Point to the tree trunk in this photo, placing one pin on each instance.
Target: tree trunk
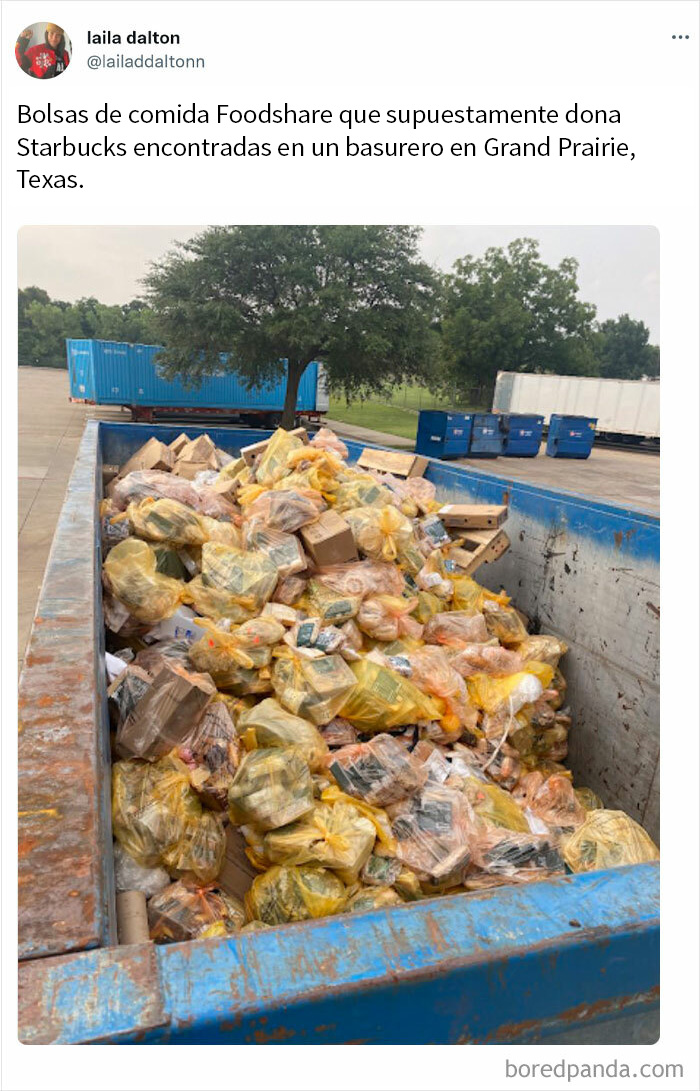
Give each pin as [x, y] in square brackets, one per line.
[295, 370]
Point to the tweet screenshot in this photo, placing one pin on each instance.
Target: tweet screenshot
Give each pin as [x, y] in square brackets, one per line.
[340, 341]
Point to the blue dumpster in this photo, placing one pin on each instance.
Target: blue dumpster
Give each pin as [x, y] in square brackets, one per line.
[570, 437]
[570, 959]
[443, 435]
[487, 436]
[522, 434]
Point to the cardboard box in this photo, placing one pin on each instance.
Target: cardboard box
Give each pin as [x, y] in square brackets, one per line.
[167, 714]
[108, 474]
[176, 446]
[154, 455]
[200, 449]
[474, 516]
[237, 874]
[190, 470]
[329, 540]
[227, 487]
[479, 547]
[398, 463]
[251, 452]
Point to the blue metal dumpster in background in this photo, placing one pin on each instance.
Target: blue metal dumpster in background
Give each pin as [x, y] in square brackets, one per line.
[522, 434]
[443, 435]
[570, 437]
[487, 436]
[573, 959]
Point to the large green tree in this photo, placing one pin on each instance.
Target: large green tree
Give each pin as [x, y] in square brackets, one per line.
[623, 349]
[510, 311]
[357, 298]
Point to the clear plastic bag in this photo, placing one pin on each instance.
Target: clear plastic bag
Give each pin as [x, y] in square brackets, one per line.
[267, 724]
[284, 550]
[159, 485]
[433, 673]
[362, 578]
[132, 577]
[312, 688]
[456, 628]
[382, 699]
[506, 852]
[335, 836]
[327, 440]
[435, 831]
[380, 771]
[289, 590]
[381, 870]
[271, 788]
[380, 533]
[488, 658]
[187, 911]
[167, 713]
[283, 894]
[284, 509]
[608, 839]
[387, 617]
[130, 875]
[551, 799]
[216, 752]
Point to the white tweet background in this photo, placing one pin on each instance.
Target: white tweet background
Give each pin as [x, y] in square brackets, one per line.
[446, 55]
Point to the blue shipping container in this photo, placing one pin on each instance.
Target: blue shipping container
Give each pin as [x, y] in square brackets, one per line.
[572, 959]
[117, 373]
[487, 436]
[570, 437]
[443, 435]
[523, 434]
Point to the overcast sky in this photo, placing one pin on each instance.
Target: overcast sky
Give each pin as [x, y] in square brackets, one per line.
[618, 266]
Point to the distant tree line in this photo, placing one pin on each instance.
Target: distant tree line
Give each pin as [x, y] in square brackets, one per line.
[362, 300]
[44, 324]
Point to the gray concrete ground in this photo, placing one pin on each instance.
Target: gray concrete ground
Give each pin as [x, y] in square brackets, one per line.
[50, 429]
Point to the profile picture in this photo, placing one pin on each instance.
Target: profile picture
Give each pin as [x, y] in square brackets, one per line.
[43, 50]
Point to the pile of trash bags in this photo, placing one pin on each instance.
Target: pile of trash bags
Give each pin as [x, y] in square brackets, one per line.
[316, 709]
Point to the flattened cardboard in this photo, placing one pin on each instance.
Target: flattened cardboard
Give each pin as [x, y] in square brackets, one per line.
[398, 463]
[251, 452]
[237, 874]
[329, 540]
[154, 455]
[474, 516]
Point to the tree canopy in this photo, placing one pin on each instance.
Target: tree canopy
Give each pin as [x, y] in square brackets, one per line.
[357, 298]
[623, 350]
[510, 311]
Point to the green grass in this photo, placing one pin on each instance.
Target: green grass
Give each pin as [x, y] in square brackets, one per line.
[399, 416]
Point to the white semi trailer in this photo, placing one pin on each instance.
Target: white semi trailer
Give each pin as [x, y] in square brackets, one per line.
[626, 409]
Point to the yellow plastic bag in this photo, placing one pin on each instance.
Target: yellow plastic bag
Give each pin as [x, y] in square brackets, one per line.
[382, 699]
[471, 596]
[608, 839]
[312, 688]
[131, 573]
[543, 648]
[588, 799]
[511, 692]
[271, 788]
[360, 491]
[504, 623]
[373, 897]
[221, 653]
[246, 576]
[170, 521]
[381, 533]
[200, 849]
[273, 461]
[284, 894]
[376, 815]
[494, 806]
[267, 724]
[321, 466]
[362, 578]
[335, 836]
[332, 607]
[427, 606]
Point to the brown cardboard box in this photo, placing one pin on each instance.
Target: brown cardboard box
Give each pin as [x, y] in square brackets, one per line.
[474, 516]
[329, 540]
[200, 449]
[250, 453]
[176, 446]
[398, 463]
[154, 455]
[189, 470]
[237, 874]
[167, 714]
[226, 486]
[480, 547]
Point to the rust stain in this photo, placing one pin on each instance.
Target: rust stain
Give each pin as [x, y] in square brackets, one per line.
[279, 1034]
[618, 539]
[654, 609]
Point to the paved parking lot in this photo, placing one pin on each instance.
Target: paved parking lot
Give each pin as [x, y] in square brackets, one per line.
[50, 429]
